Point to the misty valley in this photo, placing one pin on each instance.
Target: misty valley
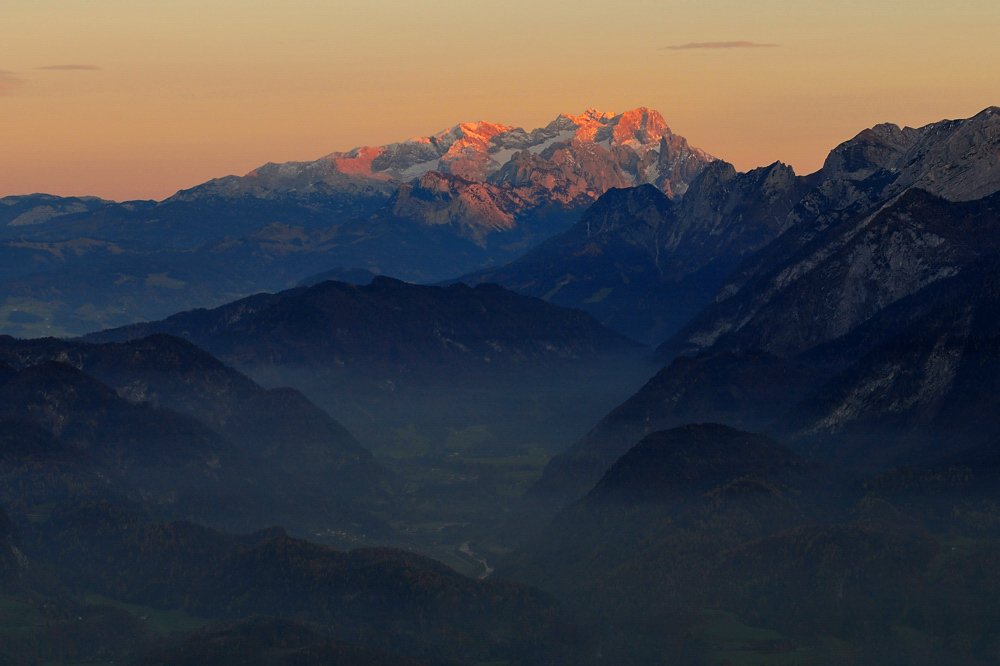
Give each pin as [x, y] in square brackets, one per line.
[580, 395]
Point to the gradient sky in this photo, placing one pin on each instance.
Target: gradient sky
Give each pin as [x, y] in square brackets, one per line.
[139, 98]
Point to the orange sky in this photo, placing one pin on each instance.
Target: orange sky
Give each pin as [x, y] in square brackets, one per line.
[151, 97]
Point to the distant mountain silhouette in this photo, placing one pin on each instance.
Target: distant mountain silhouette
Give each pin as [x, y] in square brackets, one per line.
[34, 209]
[391, 329]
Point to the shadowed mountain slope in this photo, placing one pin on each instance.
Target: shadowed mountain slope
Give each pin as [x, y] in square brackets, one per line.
[12, 560]
[278, 425]
[678, 496]
[704, 516]
[90, 414]
[846, 275]
[893, 212]
[747, 391]
[644, 265]
[693, 459]
[70, 438]
[930, 391]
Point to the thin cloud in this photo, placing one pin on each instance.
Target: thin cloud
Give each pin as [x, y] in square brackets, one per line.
[89, 68]
[720, 45]
[9, 83]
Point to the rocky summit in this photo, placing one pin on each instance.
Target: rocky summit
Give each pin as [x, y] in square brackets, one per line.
[489, 172]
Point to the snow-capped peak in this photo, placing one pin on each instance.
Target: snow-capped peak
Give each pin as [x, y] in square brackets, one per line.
[595, 150]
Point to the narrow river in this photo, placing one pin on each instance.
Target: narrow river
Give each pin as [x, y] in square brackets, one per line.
[487, 569]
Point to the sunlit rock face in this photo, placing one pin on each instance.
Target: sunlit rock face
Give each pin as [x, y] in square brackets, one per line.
[485, 174]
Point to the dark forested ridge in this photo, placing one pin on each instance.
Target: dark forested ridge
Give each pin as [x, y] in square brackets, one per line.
[271, 642]
[354, 605]
[67, 437]
[279, 425]
[381, 597]
[700, 522]
[389, 324]
[748, 390]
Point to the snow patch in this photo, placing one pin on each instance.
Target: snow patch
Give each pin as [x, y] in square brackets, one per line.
[558, 138]
[418, 170]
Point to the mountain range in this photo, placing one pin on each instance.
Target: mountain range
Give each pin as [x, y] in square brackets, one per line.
[703, 270]
[893, 212]
[495, 172]
[645, 264]
[389, 354]
[428, 209]
[734, 540]
[814, 337]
